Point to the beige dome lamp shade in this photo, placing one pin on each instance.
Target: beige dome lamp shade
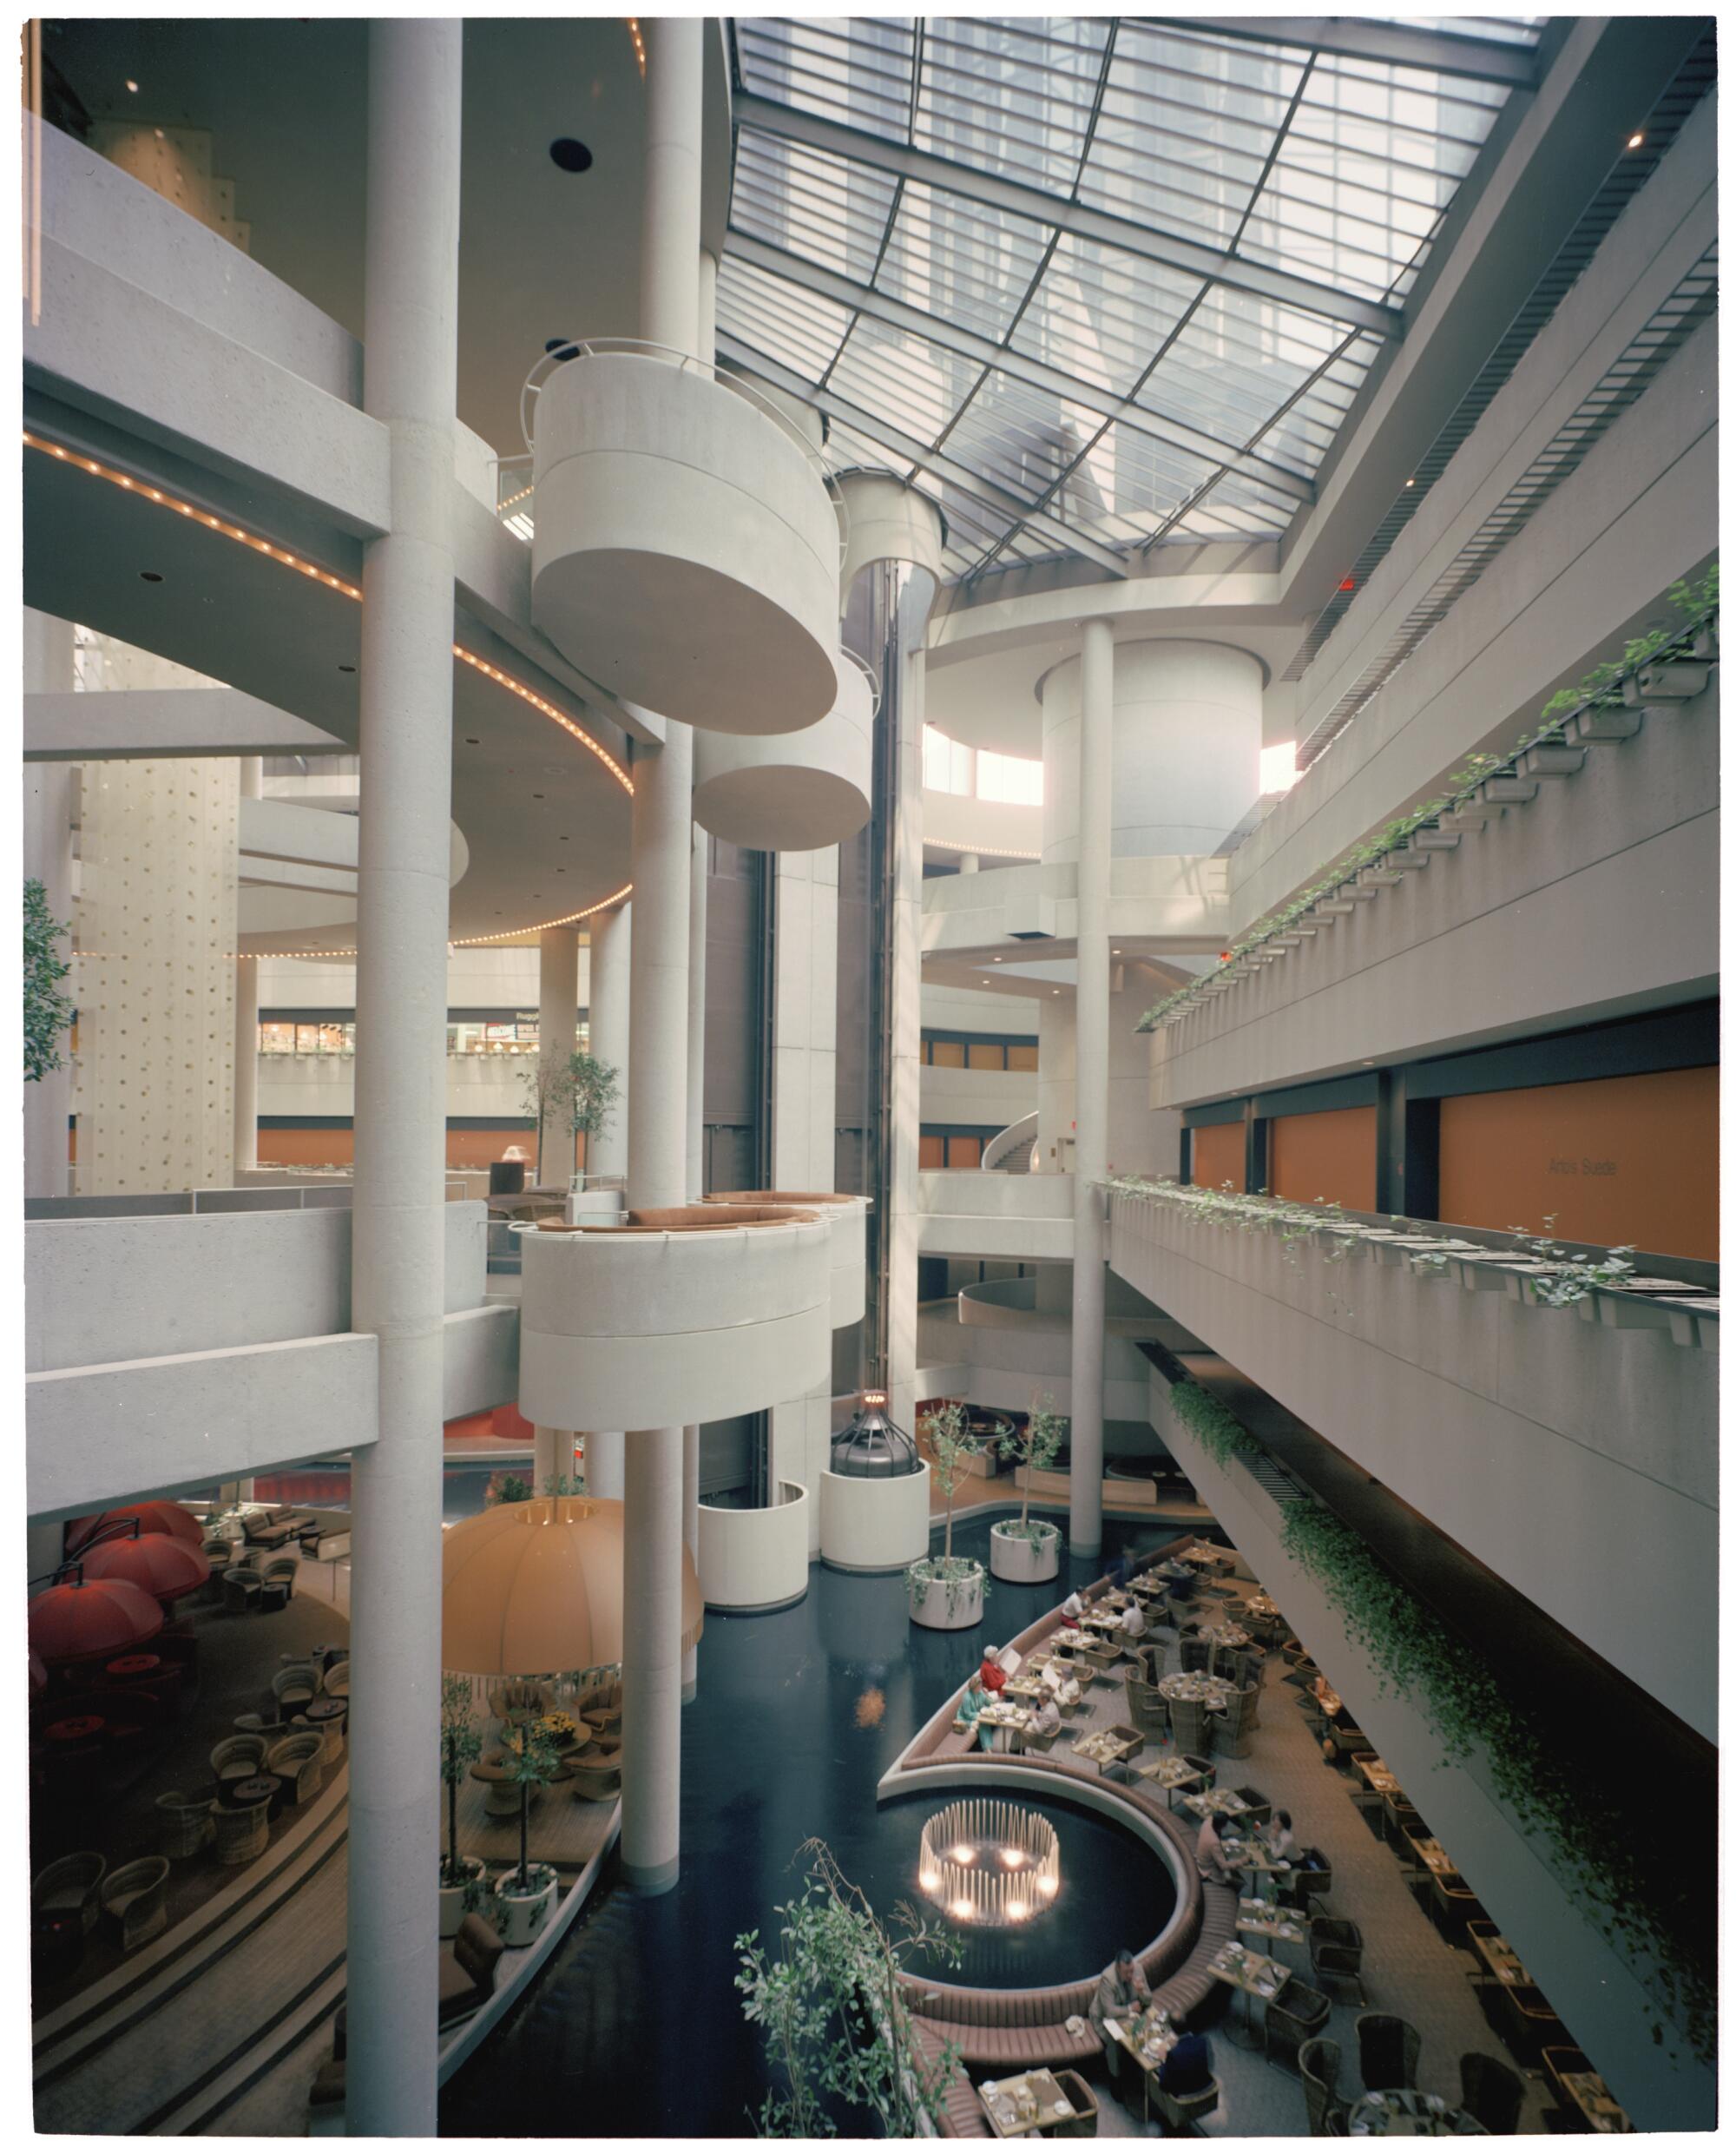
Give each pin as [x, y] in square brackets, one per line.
[533, 1588]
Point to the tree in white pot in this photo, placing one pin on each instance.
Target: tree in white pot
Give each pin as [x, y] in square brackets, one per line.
[527, 1759]
[1022, 1549]
[578, 1094]
[949, 1592]
[460, 1744]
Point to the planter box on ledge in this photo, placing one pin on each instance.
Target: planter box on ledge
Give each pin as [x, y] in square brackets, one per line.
[943, 1604]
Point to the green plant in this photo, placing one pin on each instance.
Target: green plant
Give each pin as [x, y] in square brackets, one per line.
[508, 1487]
[47, 1012]
[952, 1572]
[1036, 1446]
[952, 1443]
[460, 1744]
[1602, 685]
[1211, 1421]
[527, 1759]
[580, 1093]
[840, 2028]
[563, 1485]
[1601, 1845]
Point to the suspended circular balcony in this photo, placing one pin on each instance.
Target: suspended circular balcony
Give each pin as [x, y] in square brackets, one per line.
[686, 549]
[846, 1216]
[792, 793]
[698, 1313]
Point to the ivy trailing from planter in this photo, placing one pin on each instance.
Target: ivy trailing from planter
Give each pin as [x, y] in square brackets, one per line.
[1698, 606]
[953, 1570]
[1211, 1422]
[1607, 1848]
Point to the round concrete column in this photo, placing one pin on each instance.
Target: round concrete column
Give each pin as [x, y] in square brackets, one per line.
[969, 865]
[1187, 748]
[1094, 732]
[657, 1133]
[611, 935]
[409, 386]
[557, 1028]
[696, 991]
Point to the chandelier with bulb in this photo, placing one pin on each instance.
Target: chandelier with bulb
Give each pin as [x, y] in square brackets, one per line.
[986, 1862]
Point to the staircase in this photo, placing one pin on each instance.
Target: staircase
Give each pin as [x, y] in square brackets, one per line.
[1011, 1151]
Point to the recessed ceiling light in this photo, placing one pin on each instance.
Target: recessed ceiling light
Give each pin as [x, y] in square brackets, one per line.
[154, 578]
[1636, 140]
[537, 796]
[347, 668]
[133, 87]
[568, 154]
[472, 739]
[1409, 482]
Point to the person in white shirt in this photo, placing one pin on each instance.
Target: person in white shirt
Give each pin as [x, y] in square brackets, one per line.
[1133, 1621]
[1045, 1719]
[1279, 1837]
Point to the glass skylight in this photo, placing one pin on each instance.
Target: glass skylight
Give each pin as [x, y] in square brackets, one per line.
[1096, 283]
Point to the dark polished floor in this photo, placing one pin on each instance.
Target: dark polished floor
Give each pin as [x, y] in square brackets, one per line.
[635, 2026]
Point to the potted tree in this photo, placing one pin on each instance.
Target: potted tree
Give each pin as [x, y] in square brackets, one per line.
[596, 1089]
[839, 2032]
[47, 1012]
[526, 1891]
[580, 1094]
[460, 1744]
[1023, 1549]
[948, 1592]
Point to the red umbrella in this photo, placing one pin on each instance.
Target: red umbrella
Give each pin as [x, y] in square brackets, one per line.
[168, 1517]
[165, 1568]
[75, 1621]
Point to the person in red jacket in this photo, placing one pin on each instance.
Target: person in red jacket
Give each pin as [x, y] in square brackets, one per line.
[993, 1675]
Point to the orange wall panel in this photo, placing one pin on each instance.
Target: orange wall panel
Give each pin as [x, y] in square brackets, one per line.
[1616, 1160]
[1220, 1156]
[1330, 1156]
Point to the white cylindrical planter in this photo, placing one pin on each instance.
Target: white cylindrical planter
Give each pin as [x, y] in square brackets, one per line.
[790, 793]
[755, 1560]
[1186, 770]
[870, 1526]
[1013, 1560]
[525, 1916]
[941, 1603]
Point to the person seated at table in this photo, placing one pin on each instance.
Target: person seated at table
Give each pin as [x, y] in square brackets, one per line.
[1133, 1621]
[1279, 1837]
[1208, 1851]
[1125, 1569]
[1045, 1719]
[992, 1672]
[1121, 1992]
[1187, 2066]
[975, 1701]
[1061, 1684]
[1071, 1607]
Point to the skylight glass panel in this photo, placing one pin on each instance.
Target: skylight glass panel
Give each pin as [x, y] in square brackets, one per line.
[798, 329]
[960, 261]
[1101, 314]
[821, 208]
[856, 69]
[1013, 97]
[902, 379]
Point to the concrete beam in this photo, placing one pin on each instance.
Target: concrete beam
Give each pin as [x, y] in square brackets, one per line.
[194, 721]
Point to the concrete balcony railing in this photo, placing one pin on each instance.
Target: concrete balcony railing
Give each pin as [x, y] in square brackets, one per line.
[644, 1327]
[968, 1212]
[1550, 1446]
[753, 1560]
[847, 1218]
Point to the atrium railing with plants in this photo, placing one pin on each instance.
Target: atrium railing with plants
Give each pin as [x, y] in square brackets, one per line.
[1610, 694]
[1592, 1810]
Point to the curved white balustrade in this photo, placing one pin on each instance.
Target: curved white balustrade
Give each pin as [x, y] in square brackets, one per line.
[870, 1525]
[847, 1216]
[752, 1560]
[685, 551]
[889, 520]
[629, 1327]
[793, 793]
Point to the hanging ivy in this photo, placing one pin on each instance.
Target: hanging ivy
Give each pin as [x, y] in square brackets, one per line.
[1603, 1846]
[47, 1012]
[1696, 604]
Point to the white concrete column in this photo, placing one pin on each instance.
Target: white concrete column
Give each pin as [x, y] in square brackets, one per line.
[611, 935]
[969, 865]
[906, 1095]
[557, 1027]
[247, 1021]
[657, 1134]
[1091, 1104]
[50, 793]
[698, 888]
[415, 71]
[553, 1456]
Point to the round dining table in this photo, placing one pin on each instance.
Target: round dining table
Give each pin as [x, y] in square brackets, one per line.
[1407, 2111]
[1207, 1688]
[135, 1663]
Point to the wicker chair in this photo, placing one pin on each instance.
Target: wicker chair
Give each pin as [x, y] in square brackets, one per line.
[134, 1900]
[1309, 1881]
[335, 1680]
[1233, 1724]
[1388, 2049]
[1318, 2064]
[1195, 1654]
[1179, 2114]
[1293, 2015]
[183, 1824]
[295, 1687]
[1192, 1725]
[241, 1833]
[1338, 1972]
[1146, 1706]
[71, 1884]
[1259, 1806]
[1206, 1771]
[299, 1759]
[234, 1761]
[1492, 2093]
[1083, 2098]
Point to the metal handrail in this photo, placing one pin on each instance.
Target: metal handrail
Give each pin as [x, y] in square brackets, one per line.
[734, 382]
[868, 670]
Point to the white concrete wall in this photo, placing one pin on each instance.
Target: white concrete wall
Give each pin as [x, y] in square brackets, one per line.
[1589, 902]
[1586, 1979]
[1142, 1140]
[805, 1023]
[995, 1097]
[1552, 1449]
[1016, 1218]
[752, 1560]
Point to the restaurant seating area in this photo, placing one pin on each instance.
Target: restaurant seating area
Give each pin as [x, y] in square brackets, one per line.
[1356, 1989]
